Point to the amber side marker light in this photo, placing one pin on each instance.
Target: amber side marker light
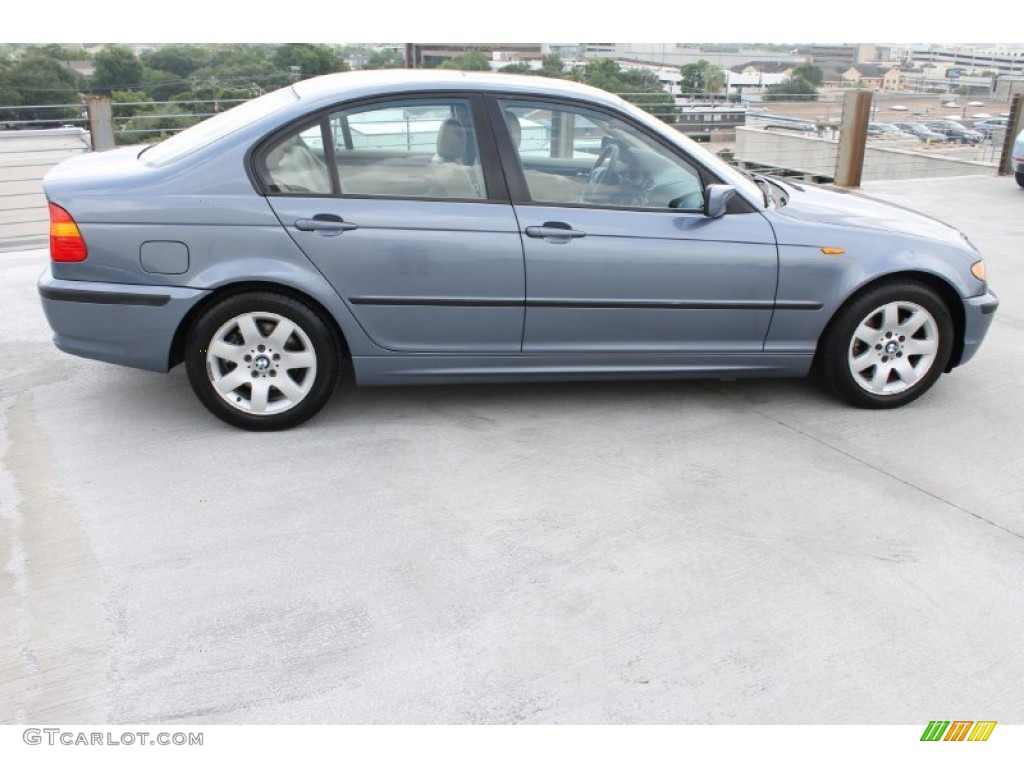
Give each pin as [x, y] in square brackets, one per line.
[66, 242]
[833, 251]
[978, 270]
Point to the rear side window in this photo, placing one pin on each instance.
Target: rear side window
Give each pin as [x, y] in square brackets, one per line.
[216, 127]
[406, 148]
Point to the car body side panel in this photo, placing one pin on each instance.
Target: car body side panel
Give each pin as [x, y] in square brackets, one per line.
[877, 239]
[411, 369]
[219, 256]
[122, 324]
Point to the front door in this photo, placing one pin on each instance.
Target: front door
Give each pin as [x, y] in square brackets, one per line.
[619, 254]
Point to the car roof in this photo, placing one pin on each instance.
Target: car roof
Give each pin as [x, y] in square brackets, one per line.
[371, 82]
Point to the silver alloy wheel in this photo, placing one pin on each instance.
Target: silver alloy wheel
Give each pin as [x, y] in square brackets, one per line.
[893, 348]
[261, 363]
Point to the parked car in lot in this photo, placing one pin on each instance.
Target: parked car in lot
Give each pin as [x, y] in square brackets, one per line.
[1017, 159]
[453, 227]
[921, 131]
[954, 131]
[986, 127]
[887, 131]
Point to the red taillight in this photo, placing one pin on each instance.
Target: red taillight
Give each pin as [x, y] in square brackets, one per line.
[66, 242]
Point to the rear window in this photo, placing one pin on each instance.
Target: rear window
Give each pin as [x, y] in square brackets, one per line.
[218, 126]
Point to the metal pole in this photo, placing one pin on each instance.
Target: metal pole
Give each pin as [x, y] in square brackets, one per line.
[101, 122]
[1013, 126]
[853, 137]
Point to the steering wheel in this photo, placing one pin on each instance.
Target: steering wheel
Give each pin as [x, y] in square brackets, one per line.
[603, 168]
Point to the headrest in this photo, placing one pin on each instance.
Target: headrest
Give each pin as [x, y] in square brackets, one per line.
[452, 141]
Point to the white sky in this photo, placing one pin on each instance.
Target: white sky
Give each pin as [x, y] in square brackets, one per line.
[344, 21]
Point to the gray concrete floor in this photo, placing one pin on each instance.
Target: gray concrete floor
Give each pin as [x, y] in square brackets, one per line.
[694, 552]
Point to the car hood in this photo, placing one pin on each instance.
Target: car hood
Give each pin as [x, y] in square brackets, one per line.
[818, 205]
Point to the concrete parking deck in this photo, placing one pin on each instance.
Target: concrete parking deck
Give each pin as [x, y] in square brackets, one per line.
[672, 552]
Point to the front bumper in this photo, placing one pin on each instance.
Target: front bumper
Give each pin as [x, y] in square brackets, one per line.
[979, 312]
[131, 325]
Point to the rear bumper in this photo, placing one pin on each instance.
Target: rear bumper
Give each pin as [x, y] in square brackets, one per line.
[131, 325]
[979, 312]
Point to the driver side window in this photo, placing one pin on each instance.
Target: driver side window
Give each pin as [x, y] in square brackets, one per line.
[572, 155]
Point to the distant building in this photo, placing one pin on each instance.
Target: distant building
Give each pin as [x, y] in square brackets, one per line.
[764, 68]
[974, 60]
[872, 77]
[431, 54]
[83, 68]
[848, 53]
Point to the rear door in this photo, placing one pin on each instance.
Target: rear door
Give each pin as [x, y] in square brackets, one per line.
[401, 204]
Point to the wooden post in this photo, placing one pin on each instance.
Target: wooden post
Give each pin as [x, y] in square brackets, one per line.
[853, 136]
[101, 122]
[1013, 126]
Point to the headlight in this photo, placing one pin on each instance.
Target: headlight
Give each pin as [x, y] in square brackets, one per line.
[978, 270]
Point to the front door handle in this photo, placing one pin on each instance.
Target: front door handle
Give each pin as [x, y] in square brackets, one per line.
[324, 222]
[554, 229]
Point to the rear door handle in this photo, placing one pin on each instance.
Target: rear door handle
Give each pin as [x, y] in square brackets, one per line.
[324, 222]
[554, 229]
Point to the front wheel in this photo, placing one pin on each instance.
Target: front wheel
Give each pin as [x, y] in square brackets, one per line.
[261, 361]
[1019, 175]
[888, 346]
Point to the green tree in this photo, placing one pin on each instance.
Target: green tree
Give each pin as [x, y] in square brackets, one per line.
[153, 125]
[160, 84]
[58, 52]
[792, 89]
[311, 59]
[117, 68]
[125, 103]
[701, 77]
[517, 68]
[10, 96]
[181, 60]
[37, 81]
[468, 62]
[210, 97]
[241, 66]
[810, 73]
[384, 59]
[551, 65]
[600, 73]
[639, 86]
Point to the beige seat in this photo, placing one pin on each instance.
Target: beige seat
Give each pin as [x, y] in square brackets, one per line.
[451, 174]
[543, 186]
[293, 167]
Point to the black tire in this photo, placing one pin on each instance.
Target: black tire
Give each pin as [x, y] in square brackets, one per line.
[293, 372]
[1019, 176]
[867, 361]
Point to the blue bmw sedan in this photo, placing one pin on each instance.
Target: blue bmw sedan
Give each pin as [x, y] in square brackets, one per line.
[437, 227]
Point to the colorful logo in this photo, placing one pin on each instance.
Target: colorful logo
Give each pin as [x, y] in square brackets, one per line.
[958, 730]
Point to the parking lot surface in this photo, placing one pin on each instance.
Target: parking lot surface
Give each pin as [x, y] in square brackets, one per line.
[669, 552]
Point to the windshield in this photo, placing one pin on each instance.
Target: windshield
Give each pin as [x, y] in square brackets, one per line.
[208, 131]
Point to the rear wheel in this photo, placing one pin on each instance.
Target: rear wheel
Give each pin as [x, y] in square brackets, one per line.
[888, 346]
[261, 361]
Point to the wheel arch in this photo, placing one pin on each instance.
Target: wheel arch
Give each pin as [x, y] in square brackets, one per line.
[177, 352]
[949, 295]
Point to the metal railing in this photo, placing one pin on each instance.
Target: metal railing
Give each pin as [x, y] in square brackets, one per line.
[764, 138]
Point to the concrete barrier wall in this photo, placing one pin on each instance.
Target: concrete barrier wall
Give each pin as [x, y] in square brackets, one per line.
[813, 156]
[25, 157]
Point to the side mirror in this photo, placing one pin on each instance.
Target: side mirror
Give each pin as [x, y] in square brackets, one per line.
[716, 199]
